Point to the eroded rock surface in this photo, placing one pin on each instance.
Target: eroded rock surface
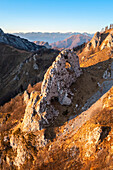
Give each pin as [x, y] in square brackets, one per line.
[96, 41]
[55, 87]
[108, 42]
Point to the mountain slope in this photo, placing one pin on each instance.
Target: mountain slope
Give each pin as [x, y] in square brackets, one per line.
[100, 48]
[73, 139]
[19, 68]
[65, 122]
[18, 42]
[72, 41]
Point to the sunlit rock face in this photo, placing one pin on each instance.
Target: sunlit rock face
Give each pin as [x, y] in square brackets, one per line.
[60, 76]
[55, 87]
[108, 42]
[101, 41]
[96, 40]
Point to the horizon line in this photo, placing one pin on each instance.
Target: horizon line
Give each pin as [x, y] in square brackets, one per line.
[49, 32]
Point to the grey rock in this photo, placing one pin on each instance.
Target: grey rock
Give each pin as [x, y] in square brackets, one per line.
[55, 86]
[35, 66]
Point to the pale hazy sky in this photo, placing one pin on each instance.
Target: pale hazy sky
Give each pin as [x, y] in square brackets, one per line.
[55, 15]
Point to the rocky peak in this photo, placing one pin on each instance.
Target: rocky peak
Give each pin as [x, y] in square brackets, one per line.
[60, 76]
[96, 40]
[1, 32]
[100, 40]
[55, 87]
[107, 42]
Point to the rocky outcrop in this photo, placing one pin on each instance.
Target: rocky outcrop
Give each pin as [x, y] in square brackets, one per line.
[42, 43]
[95, 41]
[18, 42]
[60, 76]
[108, 42]
[55, 87]
[100, 40]
[99, 47]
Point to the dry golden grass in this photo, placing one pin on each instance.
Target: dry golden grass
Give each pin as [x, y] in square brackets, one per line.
[97, 57]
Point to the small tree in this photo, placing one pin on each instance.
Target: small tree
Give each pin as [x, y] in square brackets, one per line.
[111, 26]
[106, 28]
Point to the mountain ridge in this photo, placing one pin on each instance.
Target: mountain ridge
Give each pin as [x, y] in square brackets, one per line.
[17, 42]
[48, 37]
[72, 41]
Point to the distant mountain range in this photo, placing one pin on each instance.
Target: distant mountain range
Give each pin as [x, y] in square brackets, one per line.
[72, 41]
[48, 37]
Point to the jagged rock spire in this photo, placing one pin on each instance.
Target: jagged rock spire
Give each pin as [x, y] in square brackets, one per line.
[55, 86]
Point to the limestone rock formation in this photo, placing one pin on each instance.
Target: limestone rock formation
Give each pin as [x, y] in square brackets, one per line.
[55, 87]
[95, 41]
[108, 42]
[60, 76]
[100, 46]
[100, 40]
[18, 42]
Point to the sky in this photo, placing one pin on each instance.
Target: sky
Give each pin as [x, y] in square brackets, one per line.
[55, 15]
